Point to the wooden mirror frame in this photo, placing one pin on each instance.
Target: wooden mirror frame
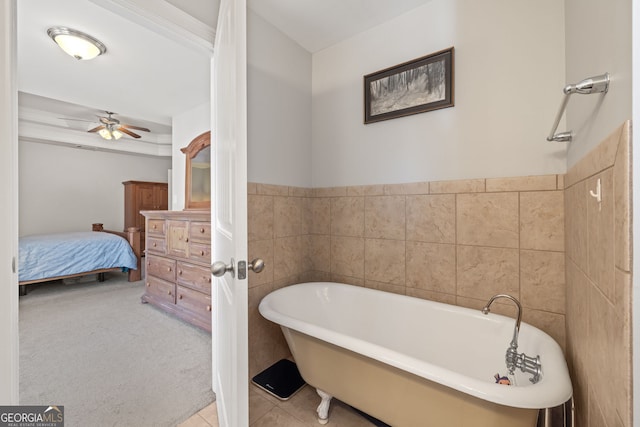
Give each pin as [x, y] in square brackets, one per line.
[199, 143]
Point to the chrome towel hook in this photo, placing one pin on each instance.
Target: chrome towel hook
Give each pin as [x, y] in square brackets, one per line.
[597, 84]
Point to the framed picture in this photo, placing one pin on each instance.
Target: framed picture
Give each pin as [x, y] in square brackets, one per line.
[420, 85]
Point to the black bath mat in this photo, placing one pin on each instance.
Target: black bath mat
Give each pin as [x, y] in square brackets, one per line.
[282, 379]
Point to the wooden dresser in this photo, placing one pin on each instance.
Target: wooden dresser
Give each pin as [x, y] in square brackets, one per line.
[178, 264]
[143, 196]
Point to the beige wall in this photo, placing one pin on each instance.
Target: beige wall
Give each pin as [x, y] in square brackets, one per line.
[278, 106]
[598, 39]
[509, 75]
[79, 187]
[279, 234]
[598, 258]
[458, 242]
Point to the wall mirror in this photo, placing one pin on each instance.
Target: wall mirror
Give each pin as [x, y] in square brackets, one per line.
[198, 172]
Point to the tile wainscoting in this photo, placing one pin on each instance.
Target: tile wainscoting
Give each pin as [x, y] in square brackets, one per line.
[460, 242]
[598, 259]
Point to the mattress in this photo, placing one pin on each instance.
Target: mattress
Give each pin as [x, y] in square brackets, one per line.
[45, 256]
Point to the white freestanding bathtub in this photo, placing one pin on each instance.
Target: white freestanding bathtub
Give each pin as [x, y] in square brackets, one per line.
[412, 362]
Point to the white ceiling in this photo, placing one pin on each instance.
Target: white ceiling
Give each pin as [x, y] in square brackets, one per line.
[318, 24]
[314, 24]
[149, 74]
[144, 77]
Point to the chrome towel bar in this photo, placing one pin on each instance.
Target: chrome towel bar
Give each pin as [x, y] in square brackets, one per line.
[597, 84]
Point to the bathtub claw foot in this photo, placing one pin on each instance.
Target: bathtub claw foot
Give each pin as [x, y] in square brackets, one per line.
[323, 407]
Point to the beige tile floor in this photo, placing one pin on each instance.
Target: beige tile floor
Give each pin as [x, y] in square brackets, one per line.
[206, 417]
[268, 411]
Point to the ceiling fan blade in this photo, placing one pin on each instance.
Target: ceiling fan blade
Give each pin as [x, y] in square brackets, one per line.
[128, 132]
[76, 120]
[134, 127]
[96, 129]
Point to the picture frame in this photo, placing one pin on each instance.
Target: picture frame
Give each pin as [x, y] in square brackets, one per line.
[417, 86]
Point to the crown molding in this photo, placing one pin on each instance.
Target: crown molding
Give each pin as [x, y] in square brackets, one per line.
[166, 20]
[47, 134]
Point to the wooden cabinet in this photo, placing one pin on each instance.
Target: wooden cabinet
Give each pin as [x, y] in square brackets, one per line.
[143, 196]
[178, 259]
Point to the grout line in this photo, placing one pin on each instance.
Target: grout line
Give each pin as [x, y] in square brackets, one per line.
[520, 245]
[456, 244]
[206, 421]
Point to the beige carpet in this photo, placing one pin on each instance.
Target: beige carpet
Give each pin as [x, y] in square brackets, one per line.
[110, 360]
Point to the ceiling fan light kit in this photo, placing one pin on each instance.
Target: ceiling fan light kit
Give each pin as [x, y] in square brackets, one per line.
[76, 43]
[108, 133]
[111, 128]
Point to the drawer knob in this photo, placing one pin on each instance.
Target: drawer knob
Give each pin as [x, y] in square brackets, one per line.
[208, 308]
[155, 244]
[168, 292]
[148, 284]
[155, 226]
[179, 296]
[202, 230]
[180, 272]
[201, 253]
[186, 240]
[168, 268]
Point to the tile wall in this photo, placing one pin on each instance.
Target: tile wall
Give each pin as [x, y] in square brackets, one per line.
[598, 260]
[278, 232]
[458, 242]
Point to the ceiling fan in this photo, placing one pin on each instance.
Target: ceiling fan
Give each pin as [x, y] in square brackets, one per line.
[111, 128]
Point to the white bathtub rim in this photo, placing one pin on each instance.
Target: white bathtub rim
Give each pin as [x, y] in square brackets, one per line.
[544, 394]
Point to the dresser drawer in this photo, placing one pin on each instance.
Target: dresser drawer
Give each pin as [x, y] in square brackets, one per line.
[156, 227]
[163, 268]
[156, 244]
[200, 252]
[195, 302]
[195, 277]
[160, 290]
[200, 232]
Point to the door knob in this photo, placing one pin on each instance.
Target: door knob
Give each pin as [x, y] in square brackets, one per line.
[257, 265]
[219, 268]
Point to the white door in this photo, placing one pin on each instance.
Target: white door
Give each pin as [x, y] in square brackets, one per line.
[8, 205]
[229, 215]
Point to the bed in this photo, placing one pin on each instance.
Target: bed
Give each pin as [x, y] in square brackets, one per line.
[48, 257]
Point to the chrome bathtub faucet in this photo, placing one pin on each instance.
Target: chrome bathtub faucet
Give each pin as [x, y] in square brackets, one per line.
[514, 360]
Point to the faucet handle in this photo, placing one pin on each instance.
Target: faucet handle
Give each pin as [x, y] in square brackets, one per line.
[530, 365]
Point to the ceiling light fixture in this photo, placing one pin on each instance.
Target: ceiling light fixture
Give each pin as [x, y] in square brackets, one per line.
[76, 43]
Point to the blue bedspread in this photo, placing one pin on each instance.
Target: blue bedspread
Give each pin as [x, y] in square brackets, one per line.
[52, 255]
